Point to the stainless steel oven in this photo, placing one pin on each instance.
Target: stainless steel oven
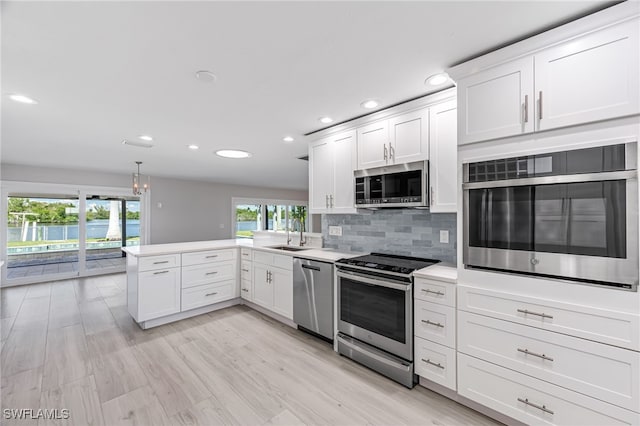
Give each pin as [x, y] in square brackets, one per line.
[569, 214]
[375, 312]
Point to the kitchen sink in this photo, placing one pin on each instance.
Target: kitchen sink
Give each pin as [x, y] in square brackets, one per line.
[288, 248]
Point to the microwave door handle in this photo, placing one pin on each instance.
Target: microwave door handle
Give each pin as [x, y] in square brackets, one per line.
[373, 281]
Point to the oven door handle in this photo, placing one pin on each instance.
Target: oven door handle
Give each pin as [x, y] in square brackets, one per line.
[373, 281]
[547, 180]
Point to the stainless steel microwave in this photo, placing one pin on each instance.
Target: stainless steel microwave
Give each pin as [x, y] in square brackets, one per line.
[569, 214]
[399, 185]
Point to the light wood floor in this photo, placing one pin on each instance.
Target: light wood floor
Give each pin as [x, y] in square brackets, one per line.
[72, 344]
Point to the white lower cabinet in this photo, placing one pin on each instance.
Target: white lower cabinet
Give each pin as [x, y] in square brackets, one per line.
[246, 274]
[435, 362]
[158, 293]
[273, 282]
[534, 401]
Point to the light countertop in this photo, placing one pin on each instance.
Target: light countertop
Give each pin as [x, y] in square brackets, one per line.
[438, 272]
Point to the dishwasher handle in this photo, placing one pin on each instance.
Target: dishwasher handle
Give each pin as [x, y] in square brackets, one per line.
[314, 268]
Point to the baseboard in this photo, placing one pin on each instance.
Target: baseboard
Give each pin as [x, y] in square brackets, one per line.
[188, 314]
[271, 314]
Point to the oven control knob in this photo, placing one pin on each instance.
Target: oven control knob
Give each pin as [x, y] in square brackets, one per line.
[534, 261]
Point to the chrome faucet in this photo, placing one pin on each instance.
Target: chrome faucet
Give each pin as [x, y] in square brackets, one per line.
[288, 236]
[303, 241]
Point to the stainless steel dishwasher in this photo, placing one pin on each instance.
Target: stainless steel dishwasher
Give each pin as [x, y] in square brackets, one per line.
[313, 296]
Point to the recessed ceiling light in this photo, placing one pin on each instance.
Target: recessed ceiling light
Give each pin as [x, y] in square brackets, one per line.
[22, 99]
[145, 138]
[287, 139]
[437, 79]
[326, 120]
[369, 104]
[137, 143]
[193, 147]
[232, 153]
[206, 76]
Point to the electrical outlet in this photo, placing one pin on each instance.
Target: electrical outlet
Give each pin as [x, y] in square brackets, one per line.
[335, 230]
[444, 236]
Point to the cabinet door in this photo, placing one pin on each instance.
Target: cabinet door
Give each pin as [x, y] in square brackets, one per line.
[409, 134]
[320, 175]
[496, 103]
[262, 288]
[159, 293]
[443, 166]
[282, 282]
[373, 145]
[591, 78]
[344, 156]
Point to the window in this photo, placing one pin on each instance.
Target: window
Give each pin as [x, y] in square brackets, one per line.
[252, 215]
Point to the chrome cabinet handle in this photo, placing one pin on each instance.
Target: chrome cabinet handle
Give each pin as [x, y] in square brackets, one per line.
[160, 263]
[326, 201]
[540, 106]
[433, 195]
[213, 255]
[428, 361]
[437, 293]
[385, 151]
[392, 152]
[244, 289]
[526, 108]
[245, 270]
[543, 356]
[437, 324]
[539, 407]
[161, 272]
[210, 294]
[211, 273]
[528, 312]
[331, 201]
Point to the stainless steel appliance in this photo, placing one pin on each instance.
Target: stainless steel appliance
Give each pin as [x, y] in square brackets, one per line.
[313, 296]
[400, 185]
[569, 214]
[375, 312]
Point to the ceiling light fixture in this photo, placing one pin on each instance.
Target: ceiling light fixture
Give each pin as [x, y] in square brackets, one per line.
[145, 138]
[232, 153]
[140, 182]
[326, 120]
[287, 139]
[22, 99]
[369, 104]
[137, 143]
[193, 147]
[437, 79]
[206, 76]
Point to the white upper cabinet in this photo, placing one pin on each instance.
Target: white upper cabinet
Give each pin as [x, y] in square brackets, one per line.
[591, 78]
[400, 139]
[331, 165]
[373, 145]
[584, 79]
[443, 157]
[497, 102]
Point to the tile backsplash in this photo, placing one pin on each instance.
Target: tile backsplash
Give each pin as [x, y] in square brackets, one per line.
[409, 232]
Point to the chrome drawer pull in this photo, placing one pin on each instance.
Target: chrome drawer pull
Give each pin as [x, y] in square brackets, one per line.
[437, 324]
[211, 273]
[244, 289]
[210, 294]
[527, 312]
[543, 356]
[161, 272]
[160, 263]
[428, 361]
[437, 293]
[539, 407]
[245, 270]
[212, 256]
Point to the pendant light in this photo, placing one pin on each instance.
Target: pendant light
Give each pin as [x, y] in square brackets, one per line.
[140, 182]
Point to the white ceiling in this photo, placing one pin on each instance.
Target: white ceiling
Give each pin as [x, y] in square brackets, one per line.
[104, 71]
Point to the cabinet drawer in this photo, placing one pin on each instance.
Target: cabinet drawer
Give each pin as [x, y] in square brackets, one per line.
[601, 325]
[533, 401]
[204, 274]
[209, 256]
[246, 290]
[202, 295]
[435, 322]
[435, 362]
[158, 262]
[245, 253]
[245, 270]
[278, 260]
[435, 291]
[602, 371]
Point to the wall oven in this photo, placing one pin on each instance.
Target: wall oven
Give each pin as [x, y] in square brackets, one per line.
[569, 214]
[375, 312]
[400, 185]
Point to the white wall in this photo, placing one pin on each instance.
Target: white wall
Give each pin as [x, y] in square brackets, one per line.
[191, 210]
